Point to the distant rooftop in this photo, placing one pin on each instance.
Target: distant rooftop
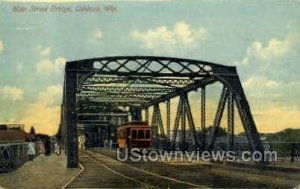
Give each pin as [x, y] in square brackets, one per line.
[10, 126]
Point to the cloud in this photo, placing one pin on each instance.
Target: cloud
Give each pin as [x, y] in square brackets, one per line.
[44, 114]
[95, 36]
[19, 68]
[274, 49]
[1, 46]
[44, 51]
[12, 93]
[257, 82]
[162, 39]
[48, 67]
[260, 88]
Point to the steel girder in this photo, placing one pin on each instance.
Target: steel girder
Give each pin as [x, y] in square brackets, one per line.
[186, 89]
[190, 119]
[157, 123]
[230, 122]
[218, 118]
[183, 112]
[86, 89]
[168, 104]
[147, 115]
[70, 89]
[231, 80]
[100, 79]
[110, 78]
[176, 123]
[144, 65]
[203, 118]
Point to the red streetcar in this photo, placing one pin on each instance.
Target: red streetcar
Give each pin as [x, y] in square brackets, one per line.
[134, 135]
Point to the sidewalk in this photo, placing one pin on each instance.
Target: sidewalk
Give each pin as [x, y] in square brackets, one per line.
[43, 172]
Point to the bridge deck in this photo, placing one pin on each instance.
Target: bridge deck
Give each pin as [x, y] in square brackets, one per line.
[104, 171]
[47, 172]
[95, 175]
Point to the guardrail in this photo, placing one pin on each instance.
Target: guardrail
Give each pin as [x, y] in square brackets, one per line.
[286, 151]
[12, 155]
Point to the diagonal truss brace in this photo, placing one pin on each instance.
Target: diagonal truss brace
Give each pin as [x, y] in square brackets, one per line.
[183, 112]
[218, 117]
[157, 123]
[190, 118]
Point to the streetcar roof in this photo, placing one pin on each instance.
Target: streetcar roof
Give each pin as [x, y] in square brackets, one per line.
[139, 123]
[134, 124]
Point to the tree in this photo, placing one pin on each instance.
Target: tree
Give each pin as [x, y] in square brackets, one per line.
[221, 131]
[32, 130]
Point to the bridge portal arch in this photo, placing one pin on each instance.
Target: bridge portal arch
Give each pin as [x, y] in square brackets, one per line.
[143, 81]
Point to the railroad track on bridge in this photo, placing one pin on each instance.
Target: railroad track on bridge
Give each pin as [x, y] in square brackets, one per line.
[101, 171]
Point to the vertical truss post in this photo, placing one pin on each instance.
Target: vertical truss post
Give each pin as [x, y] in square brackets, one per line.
[147, 115]
[136, 113]
[62, 127]
[161, 127]
[183, 124]
[168, 119]
[154, 126]
[203, 118]
[230, 120]
[190, 119]
[159, 124]
[218, 117]
[70, 117]
[231, 79]
[159, 120]
[176, 123]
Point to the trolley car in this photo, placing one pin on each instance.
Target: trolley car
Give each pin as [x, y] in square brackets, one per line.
[134, 135]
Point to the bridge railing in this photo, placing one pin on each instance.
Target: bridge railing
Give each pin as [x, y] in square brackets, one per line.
[286, 151]
[12, 155]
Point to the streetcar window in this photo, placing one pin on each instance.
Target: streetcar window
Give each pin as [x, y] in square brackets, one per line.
[147, 132]
[121, 134]
[141, 134]
[134, 134]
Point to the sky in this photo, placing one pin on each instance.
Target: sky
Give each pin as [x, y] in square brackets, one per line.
[260, 38]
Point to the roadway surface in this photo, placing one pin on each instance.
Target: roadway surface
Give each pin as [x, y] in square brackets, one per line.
[102, 170]
[44, 172]
[105, 172]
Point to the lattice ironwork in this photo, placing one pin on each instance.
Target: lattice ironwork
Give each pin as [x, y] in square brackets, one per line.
[218, 117]
[147, 66]
[100, 79]
[230, 120]
[176, 123]
[184, 113]
[168, 104]
[203, 118]
[12, 155]
[158, 123]
[142, 82]
[190, 119]
[127, 90]
[147, 115]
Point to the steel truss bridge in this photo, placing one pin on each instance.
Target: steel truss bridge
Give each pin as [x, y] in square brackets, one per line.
[140, 82]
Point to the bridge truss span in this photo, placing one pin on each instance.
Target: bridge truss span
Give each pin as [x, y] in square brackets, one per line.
[140, 82]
